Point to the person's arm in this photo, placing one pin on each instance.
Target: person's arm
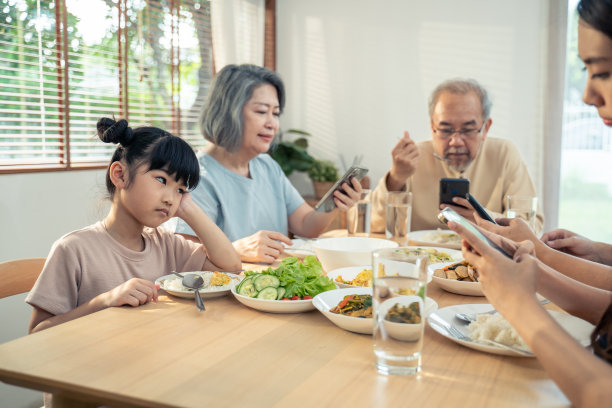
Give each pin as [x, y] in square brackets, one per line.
[510, 285]
[577, 245]
[306, 222]
[134, 292]
[590, 273]
[220, 252]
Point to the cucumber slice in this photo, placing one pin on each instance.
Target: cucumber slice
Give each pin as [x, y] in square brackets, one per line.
[268, 293]
[247, 288]
[281, 293]
[265, 281]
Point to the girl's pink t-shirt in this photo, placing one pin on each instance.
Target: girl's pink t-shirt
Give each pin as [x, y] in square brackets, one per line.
[88, 262]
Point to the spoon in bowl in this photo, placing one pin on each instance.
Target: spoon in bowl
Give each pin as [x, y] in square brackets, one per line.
[195, 282]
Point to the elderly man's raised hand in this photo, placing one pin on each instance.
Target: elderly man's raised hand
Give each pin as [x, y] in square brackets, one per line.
[405, 157]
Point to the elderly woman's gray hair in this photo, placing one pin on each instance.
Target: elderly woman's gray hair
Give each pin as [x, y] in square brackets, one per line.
[462, 86]
[221, 119]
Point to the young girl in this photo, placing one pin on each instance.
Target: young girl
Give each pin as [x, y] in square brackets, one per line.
[116, 261]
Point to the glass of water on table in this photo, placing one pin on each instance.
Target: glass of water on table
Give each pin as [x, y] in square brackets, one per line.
[398, 211]
[399, 281]
[524, 207]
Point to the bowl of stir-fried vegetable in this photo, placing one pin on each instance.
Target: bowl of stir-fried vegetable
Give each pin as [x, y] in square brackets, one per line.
[403, 317]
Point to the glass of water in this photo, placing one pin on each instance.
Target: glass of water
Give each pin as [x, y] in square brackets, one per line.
[524, 207]
[398, 211]
[399, 281]
[358, 216]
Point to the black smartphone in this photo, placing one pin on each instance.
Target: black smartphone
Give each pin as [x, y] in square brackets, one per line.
[450, 187]
[481, 211]
[326, 203]
[448, 214]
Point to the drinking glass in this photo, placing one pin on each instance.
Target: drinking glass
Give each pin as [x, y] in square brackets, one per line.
[358, 216]
[399, 281]
[524, 207]
[398, 211]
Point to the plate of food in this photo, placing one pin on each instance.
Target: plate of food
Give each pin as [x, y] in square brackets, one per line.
[215, 284]
[440, 238]
[299, 248]
[359, 319]
[357, 276]
[273, 305]
[495, 327]
[436, 254]
[456, 277]
[352, 276]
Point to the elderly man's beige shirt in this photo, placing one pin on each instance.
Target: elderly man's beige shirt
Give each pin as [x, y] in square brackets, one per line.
[497, 171]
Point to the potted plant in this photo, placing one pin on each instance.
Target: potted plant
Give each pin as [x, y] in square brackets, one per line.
[292, 155]
[323, 174]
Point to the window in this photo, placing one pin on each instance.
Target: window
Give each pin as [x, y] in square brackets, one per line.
[586, 187]
[66, 63]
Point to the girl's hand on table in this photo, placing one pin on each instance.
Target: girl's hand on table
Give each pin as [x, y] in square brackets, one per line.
[263, 246]
[505, 282]
[133, 292]
[348, 198]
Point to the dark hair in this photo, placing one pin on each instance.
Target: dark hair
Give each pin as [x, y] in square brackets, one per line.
[149, 145]
[597, 14]
[601, 339]
[221, 118]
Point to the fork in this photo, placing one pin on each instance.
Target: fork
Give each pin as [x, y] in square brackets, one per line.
[466, 317]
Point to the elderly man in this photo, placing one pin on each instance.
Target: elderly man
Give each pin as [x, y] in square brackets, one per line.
[459, 116]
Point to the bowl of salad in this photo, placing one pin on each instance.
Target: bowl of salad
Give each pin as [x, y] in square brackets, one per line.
[289, 288]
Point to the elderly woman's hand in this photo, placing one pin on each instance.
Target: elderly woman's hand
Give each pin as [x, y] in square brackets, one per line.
[504, 281]
[263, 246]
[351, 195]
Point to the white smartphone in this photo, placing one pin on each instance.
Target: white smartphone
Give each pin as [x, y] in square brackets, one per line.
[449, 214]
[326, 203]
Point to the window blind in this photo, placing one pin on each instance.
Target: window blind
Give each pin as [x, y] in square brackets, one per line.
[66, 63]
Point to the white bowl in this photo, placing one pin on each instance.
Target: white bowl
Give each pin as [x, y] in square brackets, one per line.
[274, 306]
[337, 253]
[403, 331]
[467, 288]
[327, 300]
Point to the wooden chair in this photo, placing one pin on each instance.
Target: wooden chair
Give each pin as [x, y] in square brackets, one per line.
[18, 276]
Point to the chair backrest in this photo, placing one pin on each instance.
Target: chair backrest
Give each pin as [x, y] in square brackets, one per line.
[18, 276]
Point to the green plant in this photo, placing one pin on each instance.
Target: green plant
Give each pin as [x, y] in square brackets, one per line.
[292, 155]
[323, 170]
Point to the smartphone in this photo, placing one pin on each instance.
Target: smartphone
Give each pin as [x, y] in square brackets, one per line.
[326, 203]
[450, 187]
[448, 214]
[481, 211]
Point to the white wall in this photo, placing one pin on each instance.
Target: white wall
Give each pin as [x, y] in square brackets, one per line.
[359, 72]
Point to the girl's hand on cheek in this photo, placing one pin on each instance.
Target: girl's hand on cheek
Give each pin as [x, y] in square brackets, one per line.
[184, 206]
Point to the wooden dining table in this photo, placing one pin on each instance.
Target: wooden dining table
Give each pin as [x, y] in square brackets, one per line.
[168, 354]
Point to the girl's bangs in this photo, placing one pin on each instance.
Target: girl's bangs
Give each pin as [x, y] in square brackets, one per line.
[175, 156]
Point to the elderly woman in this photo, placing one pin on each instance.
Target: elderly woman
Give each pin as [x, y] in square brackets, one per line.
[243, 189]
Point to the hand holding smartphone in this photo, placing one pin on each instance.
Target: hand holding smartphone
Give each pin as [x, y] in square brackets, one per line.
[481, 211]
[326, 203]
[449, 214]
[450, 187]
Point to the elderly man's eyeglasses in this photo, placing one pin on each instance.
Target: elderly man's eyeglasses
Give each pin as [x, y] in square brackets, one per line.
[446, 133]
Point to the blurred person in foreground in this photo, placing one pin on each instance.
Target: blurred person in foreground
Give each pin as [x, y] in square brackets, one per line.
[585, 376]
[242, 189]
[459, 112]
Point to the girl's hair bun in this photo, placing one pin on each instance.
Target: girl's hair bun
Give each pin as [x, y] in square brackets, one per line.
[111, 131]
